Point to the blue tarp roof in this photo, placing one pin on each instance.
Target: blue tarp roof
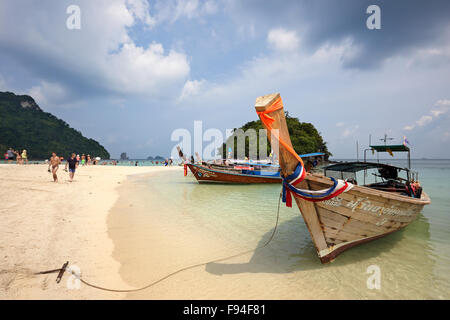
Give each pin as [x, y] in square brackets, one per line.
[314, 154]
[306, 155]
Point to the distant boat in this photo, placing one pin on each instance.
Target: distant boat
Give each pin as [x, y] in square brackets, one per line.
[245, 171]
[360, 213]
[232, 174]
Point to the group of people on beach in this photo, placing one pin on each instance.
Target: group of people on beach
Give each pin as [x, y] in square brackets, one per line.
[20, 157]
[71, 162]
[168, 162]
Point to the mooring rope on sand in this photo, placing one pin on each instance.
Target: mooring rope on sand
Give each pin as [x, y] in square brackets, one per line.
[79, 277]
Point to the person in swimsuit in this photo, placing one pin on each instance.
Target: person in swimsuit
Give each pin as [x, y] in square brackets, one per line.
[24, 156]
[18, 157]
[72, 162]
[54, 164]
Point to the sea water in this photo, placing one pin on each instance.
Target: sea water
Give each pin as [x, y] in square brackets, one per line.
[413, 263]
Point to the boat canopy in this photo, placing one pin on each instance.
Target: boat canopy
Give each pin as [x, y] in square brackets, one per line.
[347, 170]
[392, 148]
[357, 166]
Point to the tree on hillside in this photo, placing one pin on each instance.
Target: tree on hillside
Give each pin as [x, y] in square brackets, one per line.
[304, 136]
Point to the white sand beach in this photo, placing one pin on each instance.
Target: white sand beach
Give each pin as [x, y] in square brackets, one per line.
[126, 227]
[44, 224]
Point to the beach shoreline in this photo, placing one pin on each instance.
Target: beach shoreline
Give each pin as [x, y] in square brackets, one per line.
[44, 224]
[126, 227]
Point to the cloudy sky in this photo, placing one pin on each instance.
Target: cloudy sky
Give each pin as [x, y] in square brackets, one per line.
[137, 70]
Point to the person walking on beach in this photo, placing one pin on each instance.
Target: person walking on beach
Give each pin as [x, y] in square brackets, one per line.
[10, 153]
[54, 163]
[73, 165]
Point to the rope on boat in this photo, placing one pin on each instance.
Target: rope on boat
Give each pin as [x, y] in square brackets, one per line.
[79, 277]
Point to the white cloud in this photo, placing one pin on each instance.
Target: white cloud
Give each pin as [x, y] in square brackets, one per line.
[424, 120]
[340, 124]
[48, 93]
[173, 10]
[101, 55]
[283, 40]
[191, 88]
[210, 7]
[272, 72]
[431, 56]
[138, 70]
[440, 107]
[350, 130]
[141, 10]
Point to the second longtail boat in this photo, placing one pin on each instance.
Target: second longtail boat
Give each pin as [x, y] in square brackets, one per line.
[233, 174]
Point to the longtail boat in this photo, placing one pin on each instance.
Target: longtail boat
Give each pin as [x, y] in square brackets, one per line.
[243, 171]
[227, 174]
[339, 214]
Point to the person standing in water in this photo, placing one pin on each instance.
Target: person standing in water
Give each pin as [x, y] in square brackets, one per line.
[54, 164]
[73, 165]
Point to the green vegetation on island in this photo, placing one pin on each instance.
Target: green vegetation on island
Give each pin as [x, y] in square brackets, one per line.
[23, 125]
[304, 136]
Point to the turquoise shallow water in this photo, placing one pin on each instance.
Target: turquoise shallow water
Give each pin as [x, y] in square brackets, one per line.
[414, 262]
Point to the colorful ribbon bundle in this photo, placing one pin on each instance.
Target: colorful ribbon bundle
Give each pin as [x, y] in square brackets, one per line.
[299, 174]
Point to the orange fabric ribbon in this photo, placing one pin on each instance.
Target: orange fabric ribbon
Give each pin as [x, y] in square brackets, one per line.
[268, 120]
[265, 118]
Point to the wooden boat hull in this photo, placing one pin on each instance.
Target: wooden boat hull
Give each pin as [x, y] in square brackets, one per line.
[205, 174]
[357, 216]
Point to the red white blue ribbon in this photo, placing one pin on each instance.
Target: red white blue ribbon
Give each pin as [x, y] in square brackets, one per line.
[299, 174]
